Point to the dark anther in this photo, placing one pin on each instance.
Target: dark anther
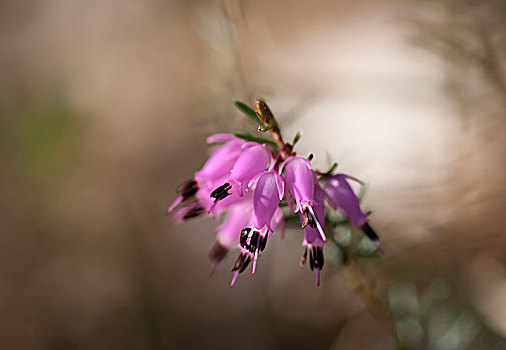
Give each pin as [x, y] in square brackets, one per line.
[243, 241]
[188, 189]
[221, 192]
[311, 260]
[318, 257]
[239, 262]
[308, 219]
[254, 241]
[245, 265]
[217, 252]
[304, 258]
[322, 260]
[193, 212]
[263, 243]
[369, 232]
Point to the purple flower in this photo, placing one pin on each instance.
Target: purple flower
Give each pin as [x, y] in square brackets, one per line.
[313, 240]
[242, 179]
[217, 167]
[254, 159]
[300, 180]
[269, 191]
[227, 235]
[221, 162]
[341, 196]
[252, 242]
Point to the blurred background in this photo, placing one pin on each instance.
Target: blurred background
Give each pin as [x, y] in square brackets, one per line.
[104, 110]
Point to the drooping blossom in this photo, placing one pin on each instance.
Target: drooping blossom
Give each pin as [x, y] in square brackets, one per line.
[253, 242]
[300, 180]
[254, 159]
[341, 196]
[312, 237]
[216, 168]
[248, 182]
[222, 161]
[269, 191]
[228, 233]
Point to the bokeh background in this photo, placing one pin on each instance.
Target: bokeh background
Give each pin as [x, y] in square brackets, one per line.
[104, 109]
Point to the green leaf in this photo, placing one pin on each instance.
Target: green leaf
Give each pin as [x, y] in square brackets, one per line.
[332, 168]
[261, 140]
[248, 111]
[265, 128]
[297, 138]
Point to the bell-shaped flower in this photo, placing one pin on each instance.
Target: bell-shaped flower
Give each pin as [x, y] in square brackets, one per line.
[216, 168]
[300, 180]
[215, 208]
[221, 162]
[312, 237]
[341, 196]
[254, 159]
[252, 242]
[269, 191]
[227, 235]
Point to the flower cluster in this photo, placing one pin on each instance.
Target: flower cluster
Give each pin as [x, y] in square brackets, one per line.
[251, 179]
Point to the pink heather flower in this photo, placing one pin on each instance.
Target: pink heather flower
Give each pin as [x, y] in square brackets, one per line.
[238, 216]
[341, 196]
[186, 190]
[215, 208]
[217, 167]
[313, 240]
[269, 191]
[252, 242]
[300, 180]
[239, 178]
[187, 212]
[254, 159]
[222, 161]
[312, 235]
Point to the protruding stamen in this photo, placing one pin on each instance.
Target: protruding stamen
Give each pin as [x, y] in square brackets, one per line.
[253, 243]
[234, 278]
[318, 276]
[193, 212]
[221, 192]
[243, 241]
[304, 258]
[239, 262]
[174, 204]
[318, 257]
[255, 258]
[322, 260]
[188, 189]
[245, 265]
[217, 253]
[369, 232]
[320, 229]
[263, 243]
[311, 259]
